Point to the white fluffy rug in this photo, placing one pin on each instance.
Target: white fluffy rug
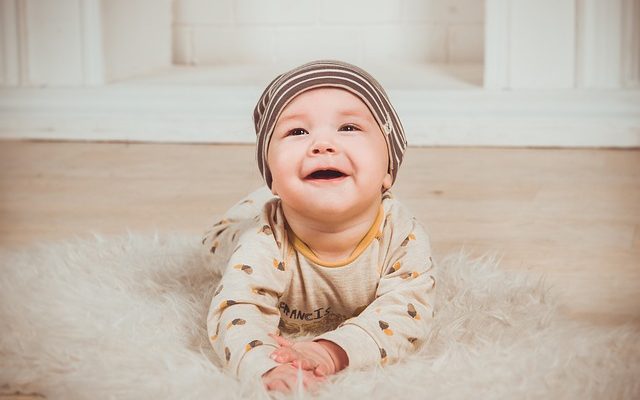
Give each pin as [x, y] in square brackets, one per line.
[124, 318]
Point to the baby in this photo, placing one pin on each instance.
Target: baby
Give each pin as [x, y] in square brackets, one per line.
[328, 252]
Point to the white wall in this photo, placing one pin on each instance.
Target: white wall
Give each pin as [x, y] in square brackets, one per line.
[42, 43]
[608, 45]
[137, 36]
[82, 42]
[360, 31]
[557, 72]
[530, 44]
[562, 44]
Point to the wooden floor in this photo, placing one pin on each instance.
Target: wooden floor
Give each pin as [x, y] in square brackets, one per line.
[573, 215]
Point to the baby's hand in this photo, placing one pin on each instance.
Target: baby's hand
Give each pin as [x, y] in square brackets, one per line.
[321, 357]
[284, 378]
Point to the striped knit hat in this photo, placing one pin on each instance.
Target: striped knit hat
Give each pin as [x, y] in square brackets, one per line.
[327, 73]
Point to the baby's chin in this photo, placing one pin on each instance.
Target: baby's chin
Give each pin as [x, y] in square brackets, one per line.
[329, 210]
[330, 207]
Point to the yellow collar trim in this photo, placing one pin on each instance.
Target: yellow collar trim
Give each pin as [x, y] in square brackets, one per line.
[302, 247]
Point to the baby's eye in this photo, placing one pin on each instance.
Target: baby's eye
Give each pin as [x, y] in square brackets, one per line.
[349, 128]
[297, 132]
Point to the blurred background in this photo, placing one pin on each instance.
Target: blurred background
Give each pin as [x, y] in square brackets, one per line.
[561, 73]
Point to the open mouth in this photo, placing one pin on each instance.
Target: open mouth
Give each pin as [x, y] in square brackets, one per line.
[326, 174]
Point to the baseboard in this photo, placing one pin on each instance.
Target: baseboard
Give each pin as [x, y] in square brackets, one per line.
[222, 114]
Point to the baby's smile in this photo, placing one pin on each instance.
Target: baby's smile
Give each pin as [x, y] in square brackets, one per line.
[326, 175]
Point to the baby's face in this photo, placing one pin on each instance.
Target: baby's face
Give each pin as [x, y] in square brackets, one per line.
[328, 155]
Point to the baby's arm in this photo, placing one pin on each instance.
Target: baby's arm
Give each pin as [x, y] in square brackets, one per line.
[244, 310]
[399, 319]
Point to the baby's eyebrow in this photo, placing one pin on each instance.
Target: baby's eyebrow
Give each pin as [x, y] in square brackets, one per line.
[357, 113]
[288, 117]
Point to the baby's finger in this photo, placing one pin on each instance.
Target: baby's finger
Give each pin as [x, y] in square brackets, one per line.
[278, 386]
[284, 355]
[281, 341]
[321, 370]
[305, 363]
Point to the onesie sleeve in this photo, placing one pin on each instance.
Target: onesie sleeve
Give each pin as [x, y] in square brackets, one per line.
[400, 317]
[244, 310]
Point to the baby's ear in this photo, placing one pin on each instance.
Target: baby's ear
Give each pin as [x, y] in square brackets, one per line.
[387, 181]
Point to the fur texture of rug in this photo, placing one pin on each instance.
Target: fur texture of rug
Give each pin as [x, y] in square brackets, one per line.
[124, 317]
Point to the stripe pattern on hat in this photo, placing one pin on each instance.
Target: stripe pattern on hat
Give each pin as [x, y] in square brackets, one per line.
[327, 73]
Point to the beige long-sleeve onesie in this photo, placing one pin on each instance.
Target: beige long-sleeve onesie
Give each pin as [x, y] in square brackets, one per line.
[377, 304]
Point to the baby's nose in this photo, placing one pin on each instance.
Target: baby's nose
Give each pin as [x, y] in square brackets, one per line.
[322, 147]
